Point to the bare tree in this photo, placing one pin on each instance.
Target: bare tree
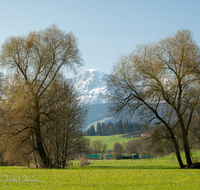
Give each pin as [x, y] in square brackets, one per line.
[96, 146]
[64, 128]
[160, 82]
[34, 61]
[117, 150]
[131, 146]
[104, 148]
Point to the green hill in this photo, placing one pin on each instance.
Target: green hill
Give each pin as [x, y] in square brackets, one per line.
[113, 139]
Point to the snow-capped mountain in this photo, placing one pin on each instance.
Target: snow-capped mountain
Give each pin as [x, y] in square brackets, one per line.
[92, 86]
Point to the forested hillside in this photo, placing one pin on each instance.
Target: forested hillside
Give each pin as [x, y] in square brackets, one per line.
[109, 128]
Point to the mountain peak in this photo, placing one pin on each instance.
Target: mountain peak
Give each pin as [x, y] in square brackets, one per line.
[92, 86]
[92, 70]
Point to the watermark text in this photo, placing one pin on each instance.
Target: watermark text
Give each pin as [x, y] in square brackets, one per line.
[24, 178]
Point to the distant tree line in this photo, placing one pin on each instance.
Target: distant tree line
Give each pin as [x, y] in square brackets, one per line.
[109, 128]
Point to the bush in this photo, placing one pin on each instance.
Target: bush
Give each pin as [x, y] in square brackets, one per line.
[84, 161]
[117, 150]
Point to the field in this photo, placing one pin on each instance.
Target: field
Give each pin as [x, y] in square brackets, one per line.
[157, 173]
[114, 139]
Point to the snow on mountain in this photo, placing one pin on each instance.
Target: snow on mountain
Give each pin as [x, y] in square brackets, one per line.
[92, 86]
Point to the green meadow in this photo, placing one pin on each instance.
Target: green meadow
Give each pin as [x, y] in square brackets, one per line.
[114, 139]
[156, 173]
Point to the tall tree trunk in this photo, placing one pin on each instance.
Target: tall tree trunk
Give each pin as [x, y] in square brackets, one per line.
[65, 153]
[185, 144]
[185, 140]
[178, 155]
[176, 147]
[41, 150]
[187, 151]
[40, 146]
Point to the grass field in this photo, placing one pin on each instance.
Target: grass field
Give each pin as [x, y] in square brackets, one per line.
[110, 143]
[157, 173]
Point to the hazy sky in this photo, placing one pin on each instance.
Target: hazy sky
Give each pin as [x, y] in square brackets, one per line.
[105, 28]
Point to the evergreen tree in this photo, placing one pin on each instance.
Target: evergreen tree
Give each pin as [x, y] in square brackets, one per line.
[91, 131]
[99, 129]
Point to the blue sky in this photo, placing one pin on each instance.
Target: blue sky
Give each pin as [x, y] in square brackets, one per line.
[105, 28]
